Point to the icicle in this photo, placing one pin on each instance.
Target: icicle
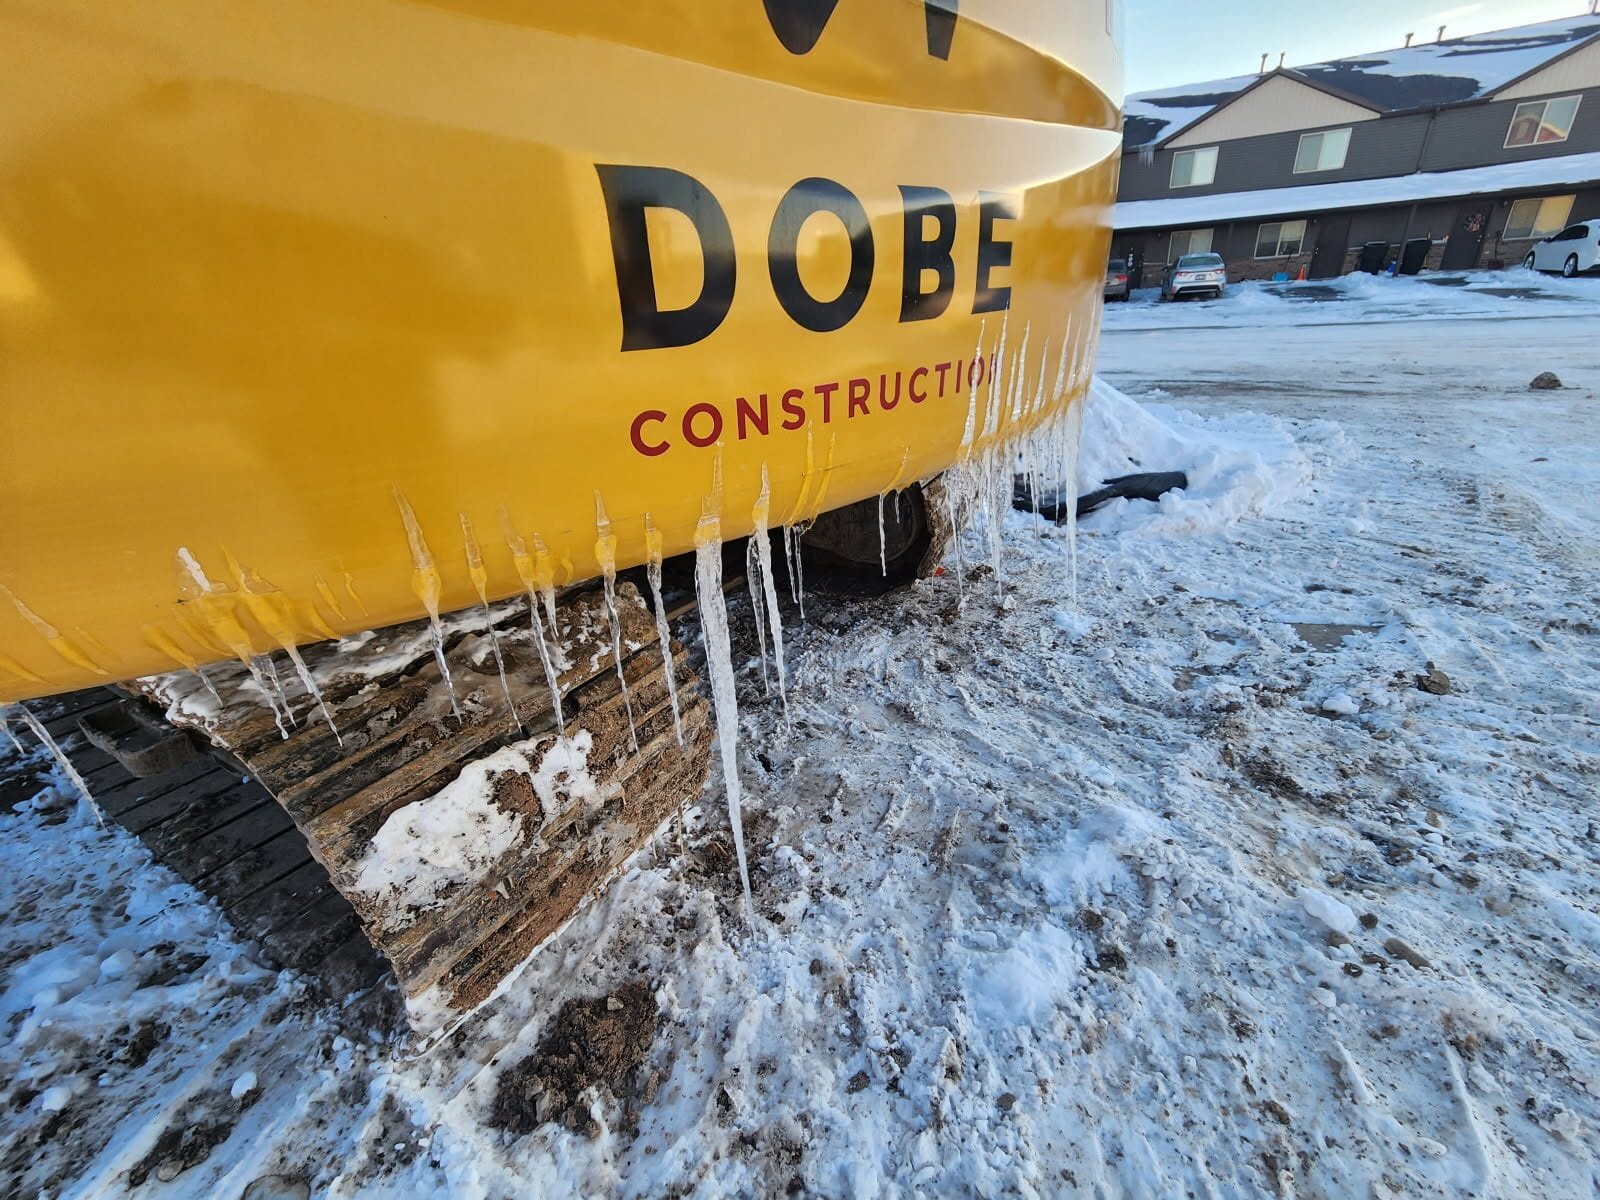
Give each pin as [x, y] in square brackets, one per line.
[752, 579]
[794, 557]
[527, 571]
[62, 761]
[310, 684]
[210, 687]
[480, 581]
[652, 543]
[544, 573]
[883, 550]
[762, 545]
[5, 727]
[267, 674]
[1073, 440]
[719, 665]
[215, 608]
[272, 612]
[428, 586]
[550, 675]
[605, 553]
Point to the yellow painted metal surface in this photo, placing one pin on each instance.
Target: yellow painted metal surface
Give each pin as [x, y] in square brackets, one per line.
[273, 276]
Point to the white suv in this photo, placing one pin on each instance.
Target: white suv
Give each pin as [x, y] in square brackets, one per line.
[1574, 250]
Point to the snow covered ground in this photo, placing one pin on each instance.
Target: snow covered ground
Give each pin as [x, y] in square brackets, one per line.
[1207, 884]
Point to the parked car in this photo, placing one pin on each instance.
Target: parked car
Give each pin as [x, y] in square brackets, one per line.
[1118, 284]
[1195, 275]
[1574, 250]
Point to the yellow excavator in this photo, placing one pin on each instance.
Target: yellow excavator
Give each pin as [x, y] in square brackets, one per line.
[321, 318]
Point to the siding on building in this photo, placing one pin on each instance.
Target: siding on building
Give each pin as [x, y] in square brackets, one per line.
[1471, 135]
[1280, 105]
[1575, 72]
[1391, 146]
[1474, 135]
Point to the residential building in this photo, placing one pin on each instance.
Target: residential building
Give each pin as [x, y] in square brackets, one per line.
[1477, 146]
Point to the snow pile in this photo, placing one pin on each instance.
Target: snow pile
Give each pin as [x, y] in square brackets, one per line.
[456, 836]
[1237, 466]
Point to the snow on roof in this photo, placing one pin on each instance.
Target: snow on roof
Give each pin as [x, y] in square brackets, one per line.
[1154, 116]
[1454, 70]
[1187, 212]
[1449, 72]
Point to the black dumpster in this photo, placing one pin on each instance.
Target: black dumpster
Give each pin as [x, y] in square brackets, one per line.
[1414, 255]
[1373, 257]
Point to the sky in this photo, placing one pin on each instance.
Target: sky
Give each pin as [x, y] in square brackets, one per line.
[1172, 42]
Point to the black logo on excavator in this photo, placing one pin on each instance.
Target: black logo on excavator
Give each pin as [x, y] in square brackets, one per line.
[799, 23]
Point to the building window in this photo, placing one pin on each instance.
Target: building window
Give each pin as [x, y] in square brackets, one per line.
[1540, 122]
[1189, 241]
[1324, 151]
[1280, 239]
[1538, 217]
[1194, 168]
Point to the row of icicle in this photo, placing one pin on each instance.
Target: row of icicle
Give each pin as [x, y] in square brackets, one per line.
[1015, 430]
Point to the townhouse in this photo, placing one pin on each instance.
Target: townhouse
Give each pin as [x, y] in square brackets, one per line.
[1457, 154]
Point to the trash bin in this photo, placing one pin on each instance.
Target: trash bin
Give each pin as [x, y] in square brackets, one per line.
[1414, 255]
[1373, 256]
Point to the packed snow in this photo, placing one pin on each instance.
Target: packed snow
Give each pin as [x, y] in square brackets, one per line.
[1049, 898]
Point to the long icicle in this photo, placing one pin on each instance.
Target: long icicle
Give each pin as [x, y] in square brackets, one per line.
[62, 761]
[719, 665]
[752, 580]
[652, 570]
[480, 580]
[5, 727]
[761, 514]
[427, 584]
[216, 608]
[605, 552]
[528, 572]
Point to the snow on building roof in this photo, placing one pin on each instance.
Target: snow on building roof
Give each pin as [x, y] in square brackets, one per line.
[1155, 116]
[1189, 212]
[1437, 73]
[1454, 70]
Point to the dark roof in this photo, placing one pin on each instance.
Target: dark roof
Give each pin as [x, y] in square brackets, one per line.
[1431, 75]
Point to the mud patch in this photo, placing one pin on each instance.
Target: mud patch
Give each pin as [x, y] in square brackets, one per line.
[597, 1043]
[178, 1149]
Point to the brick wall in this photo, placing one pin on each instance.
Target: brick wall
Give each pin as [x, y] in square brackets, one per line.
[1241, 269]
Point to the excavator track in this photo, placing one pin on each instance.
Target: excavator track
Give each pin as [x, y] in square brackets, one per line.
[280, 828]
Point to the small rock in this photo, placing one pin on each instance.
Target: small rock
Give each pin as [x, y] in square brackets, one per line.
[1435, 682]
[858, 1082]
[1336, 939]
[277, 1187]
[243, 1085]
[1006, 1102]
[1324, 997]
[1369, 920]
[1545, 381]
[816, 966]
[613, 1004]
[1353, 970]
[1400, 950]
